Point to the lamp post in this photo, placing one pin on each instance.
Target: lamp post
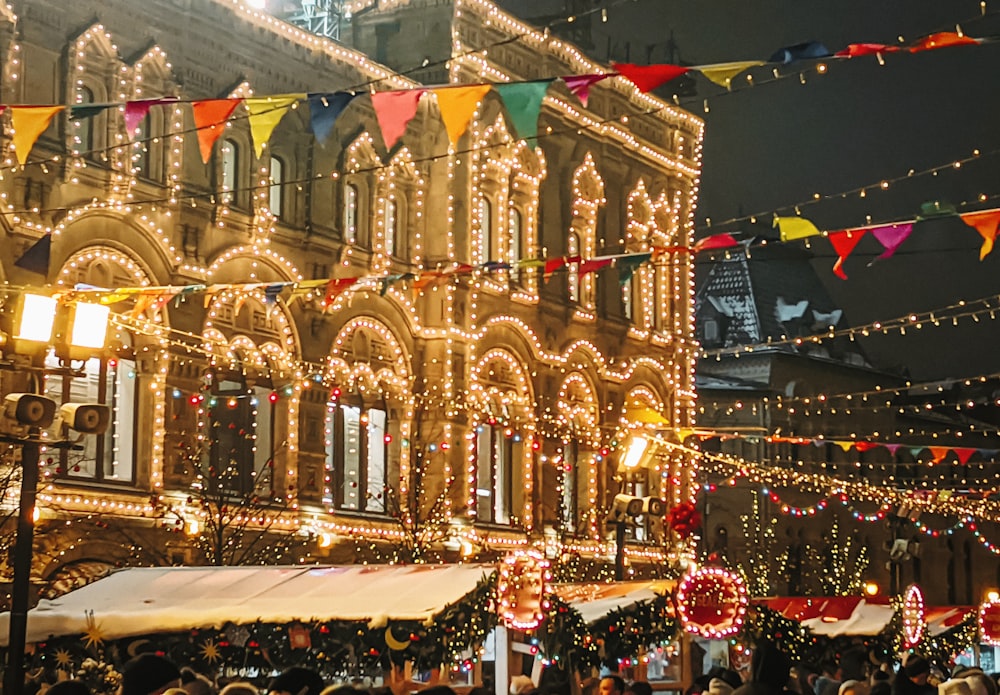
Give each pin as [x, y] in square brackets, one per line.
[76, 331]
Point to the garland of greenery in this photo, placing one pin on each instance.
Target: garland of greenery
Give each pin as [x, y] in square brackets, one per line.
[564, 639]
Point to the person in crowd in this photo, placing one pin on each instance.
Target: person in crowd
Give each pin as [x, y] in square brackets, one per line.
[717, 686]
[70, 687]
[913, 676]
[239, 688]
[828, 681]
[149, 674]
[611, 685]
[521, 685]
[853, 687]
[954, 686]
[881, 687]
[800, 678]
[980, 683]
[296, 681]
[193, 683]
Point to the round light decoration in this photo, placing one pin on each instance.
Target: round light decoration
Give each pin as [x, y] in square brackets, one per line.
[989, 621]
[914, 616]
[712, 602]
[524, 578]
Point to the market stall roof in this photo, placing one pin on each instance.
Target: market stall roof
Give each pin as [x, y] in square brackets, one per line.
[594, 600]
[169, 599]
[834, 616]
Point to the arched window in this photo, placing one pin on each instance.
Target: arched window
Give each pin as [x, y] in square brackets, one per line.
[140, 149]
[277, 190]
[495, 456]
[357, 453]
[391, 223]
[230, 171]
[241, 417]
[569, 506]
[573, 250]
[514, 253]
[350, 213]
[108, 457]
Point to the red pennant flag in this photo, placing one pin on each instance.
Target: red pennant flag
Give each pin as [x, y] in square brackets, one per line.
[594, 264]
[552, 265]
[335, 288]
[843, 243]
[964, 454]
[855, 50]
[210, 118]
[649, 77]
[716, 241]
[865, 446]
[942, 39]
[986, 222]
[394, 111]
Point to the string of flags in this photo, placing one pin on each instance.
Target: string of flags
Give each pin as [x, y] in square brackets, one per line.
[396, 108]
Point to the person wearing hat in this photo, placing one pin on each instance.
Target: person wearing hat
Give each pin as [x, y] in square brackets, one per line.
[149, 674]
[955, 686]
[296, 681]
[912, 677]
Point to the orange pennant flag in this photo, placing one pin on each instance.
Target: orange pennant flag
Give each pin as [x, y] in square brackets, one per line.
[29, 122]
[942, 39]
[938, 453]
[210, 118]
[986, 222]
[457, 104]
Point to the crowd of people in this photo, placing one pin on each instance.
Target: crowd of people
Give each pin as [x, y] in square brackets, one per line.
[771, 673]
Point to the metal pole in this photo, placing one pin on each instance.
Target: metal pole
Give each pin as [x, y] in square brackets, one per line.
[13, 682]
[619, 551]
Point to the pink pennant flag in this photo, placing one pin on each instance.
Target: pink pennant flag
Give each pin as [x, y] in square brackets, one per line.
[893, 448]
[394, 111]
[579, 85]
[843, 243]
[135, 111]
[891, 236]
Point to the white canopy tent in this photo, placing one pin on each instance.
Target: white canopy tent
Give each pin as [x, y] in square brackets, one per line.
[170, 599]
[595, 600]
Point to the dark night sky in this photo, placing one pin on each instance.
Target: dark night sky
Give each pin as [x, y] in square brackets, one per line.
[775, 145]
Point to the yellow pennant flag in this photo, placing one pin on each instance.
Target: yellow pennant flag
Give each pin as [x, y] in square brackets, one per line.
[28, 123]
[795, 228]
[722, 74]
[265, 114]
[646, 416]
[457, 105]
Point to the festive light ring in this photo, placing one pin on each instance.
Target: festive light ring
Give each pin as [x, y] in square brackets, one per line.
[712, 602]
[914, 616]
[989, 622]
[521, 589]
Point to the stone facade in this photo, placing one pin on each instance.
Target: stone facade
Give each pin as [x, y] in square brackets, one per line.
[498, 395]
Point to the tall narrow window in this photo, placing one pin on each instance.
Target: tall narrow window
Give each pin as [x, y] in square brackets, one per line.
[276, 198]
[486, 229]
[230, 169]
[568, 502]
[232, 415]
[494, 473]
[514, 255]
[140, 149]
[357, 452]
[350, 213]
[391, 222]
[83, 138]
[627, 300]
[107, 457]
[573, 250]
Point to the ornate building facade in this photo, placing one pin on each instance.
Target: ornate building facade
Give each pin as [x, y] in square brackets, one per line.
[484, 402]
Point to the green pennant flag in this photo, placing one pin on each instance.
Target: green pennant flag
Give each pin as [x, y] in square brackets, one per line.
[627, 265]
[523, 101]
[78, 112]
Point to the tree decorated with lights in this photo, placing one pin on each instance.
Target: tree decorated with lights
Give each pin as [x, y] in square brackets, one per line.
[759, 567]
[844, 560]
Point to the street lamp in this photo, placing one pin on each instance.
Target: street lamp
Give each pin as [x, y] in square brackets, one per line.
[76, 331]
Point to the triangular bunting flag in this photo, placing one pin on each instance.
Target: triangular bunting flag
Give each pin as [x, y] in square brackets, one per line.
[324, 109]
[523, 101]
[594, 264]
[800, 51]
[856, 50]
[579, 85]
[964, 454]
[649, 77]
[716, 241]
[986, 223]
[627, 266]
[265, 114]
[942, 39]
[722, 74]
[394, 111]
[552, 265]
[135, 111]
[210, 118]
[28, 123]
[843, 243]
[80, 112]
[893, 448]
[457, 104]
[891, 236]
[335, 287]
[865, 446]
[36, 257]
[795, 228]
[938, 453]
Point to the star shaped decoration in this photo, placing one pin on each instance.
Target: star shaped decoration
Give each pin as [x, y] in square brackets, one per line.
[64, 660]
[210, 651]
[93, 635]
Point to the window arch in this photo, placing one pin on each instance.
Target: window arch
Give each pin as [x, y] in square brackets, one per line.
[578, 413]
[93, 78]
[359, 190]
[588, 198]
[637, 301]
[83, 123]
